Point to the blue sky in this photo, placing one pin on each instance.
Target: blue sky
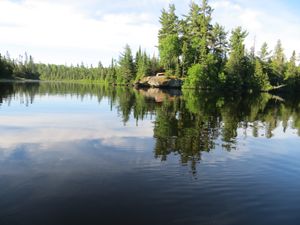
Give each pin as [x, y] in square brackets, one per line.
[74, 31]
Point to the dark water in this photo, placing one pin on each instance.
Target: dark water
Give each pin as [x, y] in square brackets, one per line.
[83, 154]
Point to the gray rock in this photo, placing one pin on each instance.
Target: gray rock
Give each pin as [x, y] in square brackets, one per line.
[160, 82]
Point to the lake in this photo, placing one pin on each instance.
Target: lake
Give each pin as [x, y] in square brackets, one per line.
[90, 154]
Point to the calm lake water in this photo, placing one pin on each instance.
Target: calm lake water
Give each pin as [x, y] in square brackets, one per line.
[89, 155]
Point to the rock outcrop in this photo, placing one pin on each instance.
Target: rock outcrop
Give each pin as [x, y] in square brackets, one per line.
[160, 82]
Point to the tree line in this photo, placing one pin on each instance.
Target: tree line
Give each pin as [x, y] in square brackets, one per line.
[123, 71]
[192, 48]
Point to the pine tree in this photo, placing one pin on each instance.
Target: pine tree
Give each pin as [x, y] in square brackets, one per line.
[261, 78]
[6, 68]
[235, 67]
[111, 76]
[206, 30]
[219, 45]
[126, 72]
[143, 67]
[202, 72]
[187, 55]
[264, 53]
[168, 39]
[199, 30]
[278, 64]
[291, 73]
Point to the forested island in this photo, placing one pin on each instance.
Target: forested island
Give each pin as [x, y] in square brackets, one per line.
[191, 48]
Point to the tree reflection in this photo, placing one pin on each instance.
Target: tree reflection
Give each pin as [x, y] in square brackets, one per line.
[186, 123]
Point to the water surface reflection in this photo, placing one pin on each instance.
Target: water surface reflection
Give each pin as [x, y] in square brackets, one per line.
[89, 154]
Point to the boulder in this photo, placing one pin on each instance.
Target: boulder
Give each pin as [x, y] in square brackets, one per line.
[160, 82]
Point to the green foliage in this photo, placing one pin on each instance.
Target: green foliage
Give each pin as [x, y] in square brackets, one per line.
[291, 71]
[168, 39]
[111, 74]
[143, 65]
[169, 50]
[278, 64]
[292, 75]
[12, 69]
[198, 51]
[264, 53]
[260, 77]
[236, 65]
[196, 76]
[126, 71]
[219, 45]
[6, 68]
[169, 22]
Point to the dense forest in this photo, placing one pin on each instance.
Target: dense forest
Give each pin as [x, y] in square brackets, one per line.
[192, 48]
[207, 57]
[123, 71]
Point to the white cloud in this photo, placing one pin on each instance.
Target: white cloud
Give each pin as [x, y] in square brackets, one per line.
[58, 128]
[47, 25]
[265, 23]
[68, 31]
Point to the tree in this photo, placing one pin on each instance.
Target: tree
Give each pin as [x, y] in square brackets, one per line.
[264, 53]
[126, 71]
[201, 72]
[199, 30]
[261, 78]
[197, 77]
[168, 39]
[169, 22]
[143, 66]
[111, 76]
[6, 69]
[154, 65]
[187, 53]
[206, 29]
[169, 49]
[278, 64]
[235, 67]
[292, 73]
[219, 45]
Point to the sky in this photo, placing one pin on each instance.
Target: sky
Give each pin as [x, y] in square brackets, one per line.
[89, 31]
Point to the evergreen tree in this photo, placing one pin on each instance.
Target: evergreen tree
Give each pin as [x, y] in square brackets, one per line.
[143, 66]
[219, 45]
[199, 30]
[6, 68]
[206, 30]
[187, 53]
[235, 67]
[202, 73]
[264, 53]
[278, 64]
[169, 22]
[154, 66]
[261, 78]
[292, 73]
[168, 40]
[111, 76]
[169, 51]
[126, 73]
